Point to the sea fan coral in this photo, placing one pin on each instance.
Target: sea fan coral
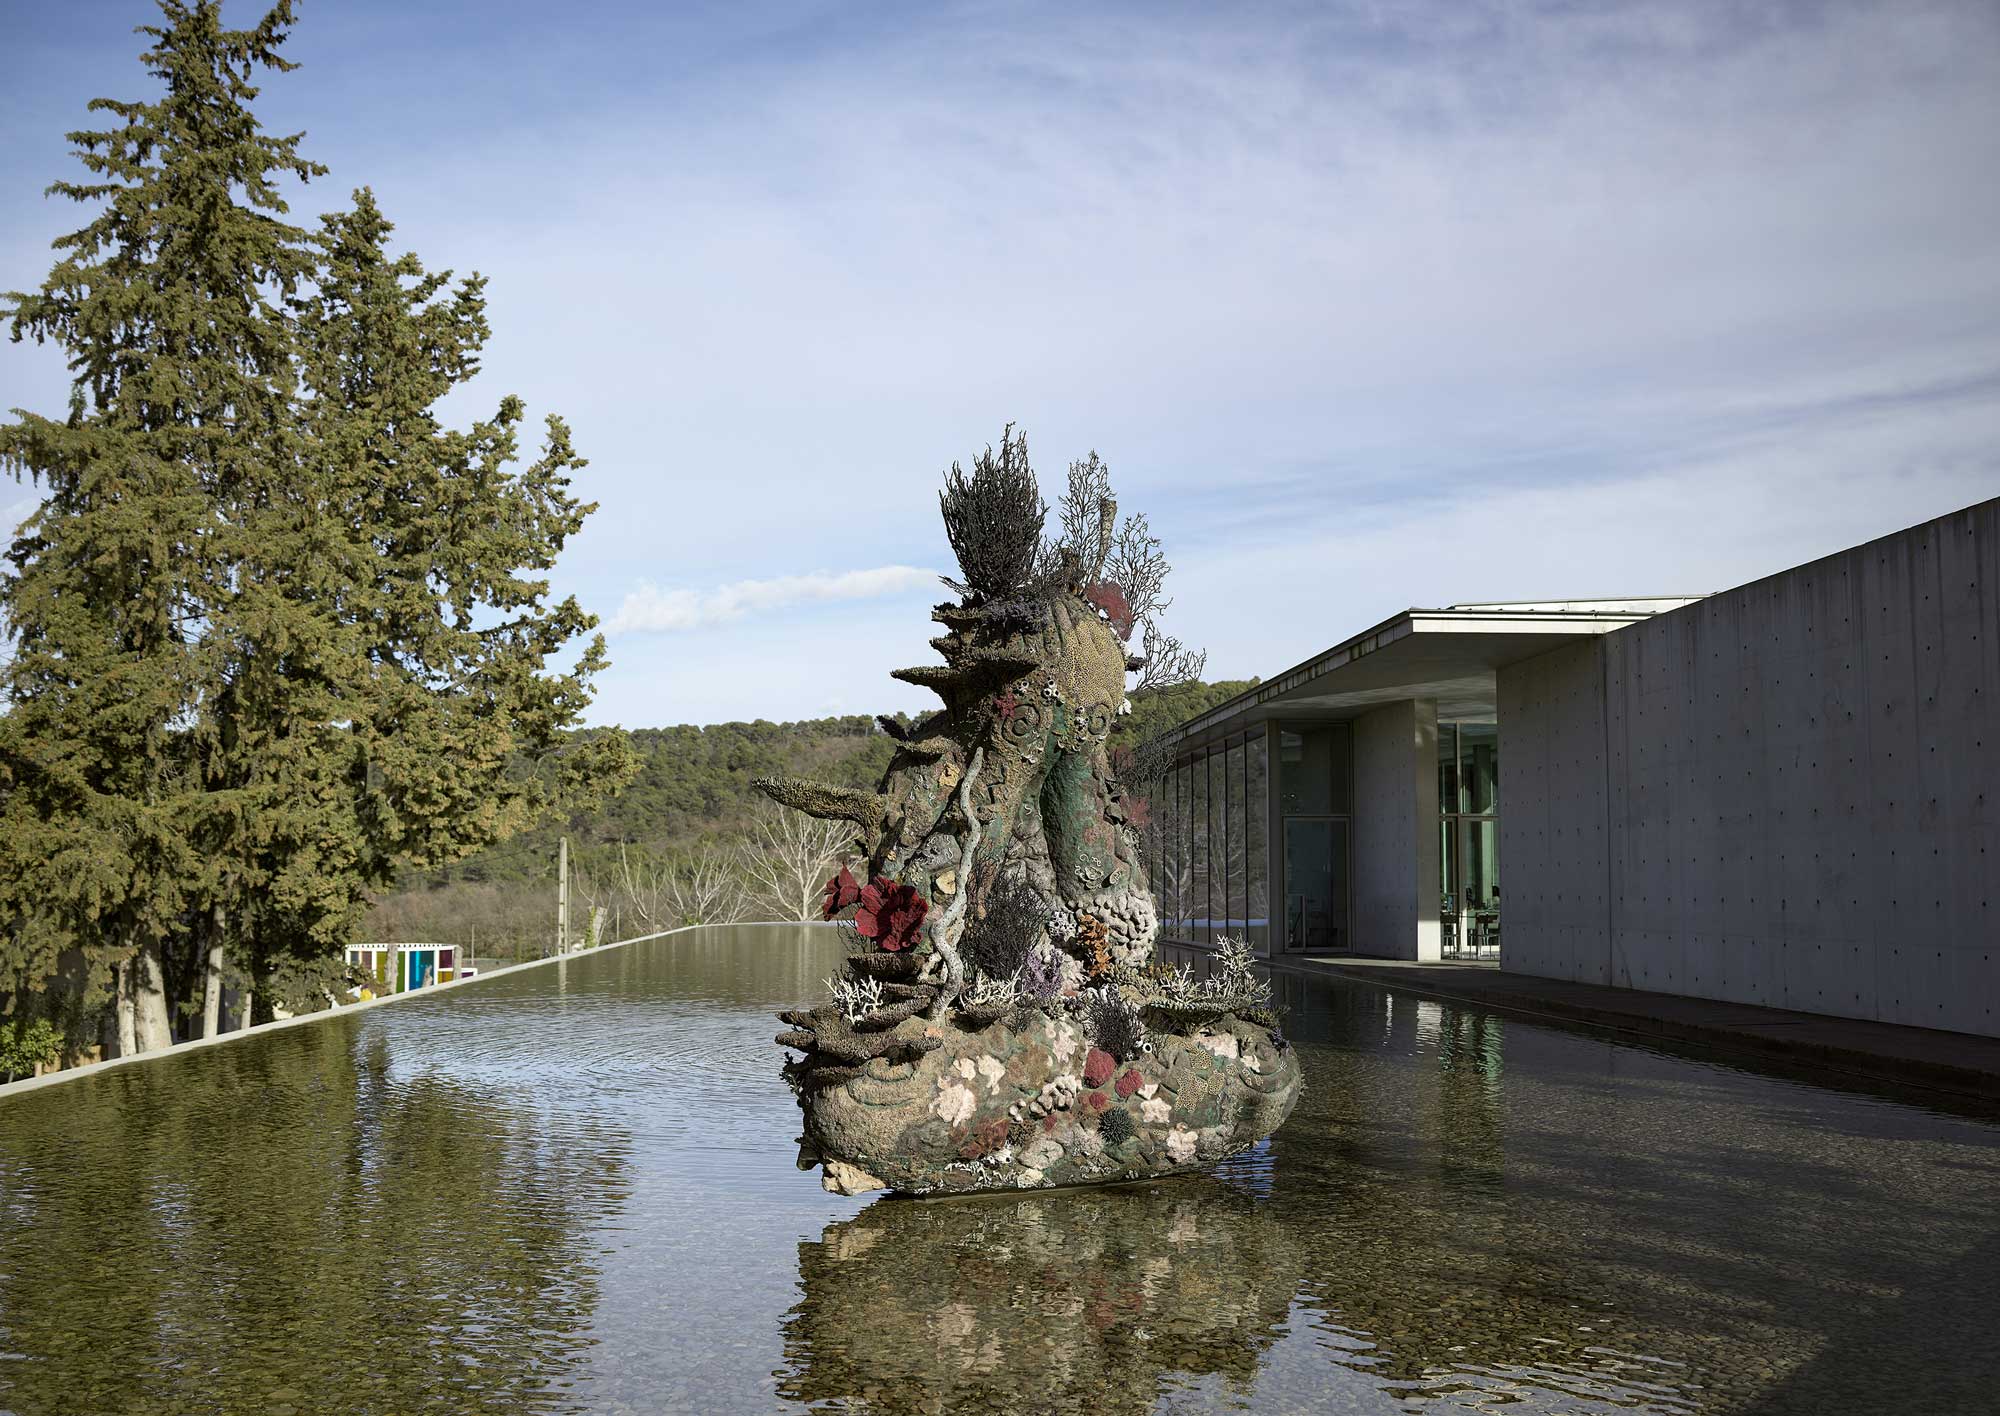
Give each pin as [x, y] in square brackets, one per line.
[890, 914]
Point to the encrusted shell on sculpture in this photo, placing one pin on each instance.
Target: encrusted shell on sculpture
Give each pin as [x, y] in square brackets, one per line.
[926, 1127]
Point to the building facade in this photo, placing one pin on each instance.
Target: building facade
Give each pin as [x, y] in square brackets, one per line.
[1782, 794]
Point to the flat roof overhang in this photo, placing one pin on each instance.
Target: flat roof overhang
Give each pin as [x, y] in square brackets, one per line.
[1451, 655]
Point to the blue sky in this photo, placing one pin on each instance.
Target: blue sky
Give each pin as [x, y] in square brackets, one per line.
[1367, 305]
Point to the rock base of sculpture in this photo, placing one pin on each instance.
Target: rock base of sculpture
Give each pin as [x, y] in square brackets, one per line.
[1025, 1101]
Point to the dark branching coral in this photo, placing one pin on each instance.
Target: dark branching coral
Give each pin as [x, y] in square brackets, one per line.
[998, 944]
[993, 519]
[1112, 1025]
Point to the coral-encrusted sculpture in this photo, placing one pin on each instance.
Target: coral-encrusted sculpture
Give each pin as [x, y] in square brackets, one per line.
[1006, 918]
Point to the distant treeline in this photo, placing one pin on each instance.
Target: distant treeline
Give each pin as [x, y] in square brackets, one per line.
[689, 807]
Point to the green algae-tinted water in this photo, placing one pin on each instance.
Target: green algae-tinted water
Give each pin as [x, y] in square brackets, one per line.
[572, 1190]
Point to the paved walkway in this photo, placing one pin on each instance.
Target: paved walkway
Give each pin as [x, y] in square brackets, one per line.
[1943, 1061]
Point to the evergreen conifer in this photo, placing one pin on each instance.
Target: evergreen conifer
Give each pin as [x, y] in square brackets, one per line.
[167, 304]
[278, 632]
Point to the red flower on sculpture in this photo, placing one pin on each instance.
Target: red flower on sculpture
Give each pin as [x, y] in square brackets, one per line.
[841, 891]
[1106, 595]
[890, 914]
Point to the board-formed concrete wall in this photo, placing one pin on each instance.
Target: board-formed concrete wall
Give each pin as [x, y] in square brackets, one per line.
[1395, 893]
[1799, 790]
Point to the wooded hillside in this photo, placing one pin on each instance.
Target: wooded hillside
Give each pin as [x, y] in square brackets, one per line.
[689, 804]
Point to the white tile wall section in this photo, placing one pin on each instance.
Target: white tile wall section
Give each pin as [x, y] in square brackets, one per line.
[1786, 794]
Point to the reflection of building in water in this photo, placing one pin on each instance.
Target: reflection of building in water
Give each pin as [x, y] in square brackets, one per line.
[1078, 1300]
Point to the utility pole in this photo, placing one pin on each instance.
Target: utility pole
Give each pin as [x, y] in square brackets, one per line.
[562, 897]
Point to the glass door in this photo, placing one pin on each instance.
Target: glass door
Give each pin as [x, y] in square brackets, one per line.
[1316, 868]
[1469, 840]
[1469, 912]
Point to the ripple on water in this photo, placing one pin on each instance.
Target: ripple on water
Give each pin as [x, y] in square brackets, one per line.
[572, 1190]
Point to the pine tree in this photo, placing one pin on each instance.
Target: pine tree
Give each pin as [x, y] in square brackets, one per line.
[390, 643]
[167, 303]
[279, 633]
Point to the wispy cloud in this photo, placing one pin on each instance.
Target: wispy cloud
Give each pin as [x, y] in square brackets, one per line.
[653, 610]
[1367, 305]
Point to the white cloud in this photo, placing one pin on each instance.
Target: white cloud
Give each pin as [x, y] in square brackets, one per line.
[1367, 306]
[652, 610]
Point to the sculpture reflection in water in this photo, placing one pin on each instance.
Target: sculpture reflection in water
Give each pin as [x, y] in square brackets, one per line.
[1093, 1300]
[1372, 1274]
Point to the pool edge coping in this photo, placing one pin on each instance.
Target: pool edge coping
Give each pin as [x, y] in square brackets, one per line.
[1629, 1017]
[343, 1010]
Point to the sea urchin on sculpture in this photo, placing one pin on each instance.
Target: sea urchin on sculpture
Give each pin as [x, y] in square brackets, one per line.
[1005, 930]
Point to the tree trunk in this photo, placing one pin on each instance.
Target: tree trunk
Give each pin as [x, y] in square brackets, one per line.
[151, 1026]
[122, 1006]
[211, 985]
[123, 1011]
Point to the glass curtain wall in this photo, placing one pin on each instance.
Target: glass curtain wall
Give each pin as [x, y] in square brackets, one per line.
[1469, 839]
[1315, 806]
[1208, 858]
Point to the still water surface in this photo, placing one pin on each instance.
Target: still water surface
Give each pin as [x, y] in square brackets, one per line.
[572, 1189]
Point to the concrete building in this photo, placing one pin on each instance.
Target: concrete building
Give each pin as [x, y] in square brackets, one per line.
[1786, 794]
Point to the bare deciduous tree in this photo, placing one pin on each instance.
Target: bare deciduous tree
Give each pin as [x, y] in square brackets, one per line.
[596, 893]
[700, 889]
[787, 861]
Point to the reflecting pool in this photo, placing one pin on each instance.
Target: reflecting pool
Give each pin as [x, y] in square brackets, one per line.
[572, 1189]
